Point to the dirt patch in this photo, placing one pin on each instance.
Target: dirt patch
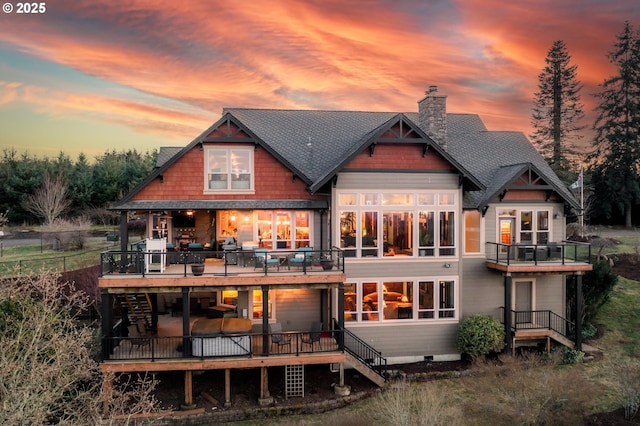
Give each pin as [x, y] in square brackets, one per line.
[245, 385]
[627, 265]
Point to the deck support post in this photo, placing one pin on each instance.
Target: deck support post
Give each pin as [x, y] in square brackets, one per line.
[340, 337]
[265, 397]
[509, 339]
[265, 320]
[107, 323]
[188, 391]
[186, 331]
[579, 303]
[227, 387]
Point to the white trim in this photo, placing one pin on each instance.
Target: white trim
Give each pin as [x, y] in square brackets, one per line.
[360, 295]
[514, 283]
[229, 190]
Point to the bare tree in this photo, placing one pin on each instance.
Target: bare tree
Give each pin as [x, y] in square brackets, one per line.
[48, 371]
[50, 200]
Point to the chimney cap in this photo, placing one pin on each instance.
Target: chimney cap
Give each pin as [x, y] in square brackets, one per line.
[432, 89]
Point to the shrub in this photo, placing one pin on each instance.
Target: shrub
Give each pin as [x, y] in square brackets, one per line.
[628, 385]
[588, 331]
[480, 335]
[414, 404]
[571, 356]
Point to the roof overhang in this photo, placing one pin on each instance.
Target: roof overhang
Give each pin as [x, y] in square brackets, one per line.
[157, 205]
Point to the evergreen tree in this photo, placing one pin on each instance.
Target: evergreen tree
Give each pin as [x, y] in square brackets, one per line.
[557, 110]
[615, 160]
[81, 185]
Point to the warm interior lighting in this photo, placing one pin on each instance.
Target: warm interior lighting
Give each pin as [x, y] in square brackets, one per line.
[189, 212]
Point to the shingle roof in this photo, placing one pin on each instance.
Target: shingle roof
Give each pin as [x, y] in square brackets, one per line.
[315, 143]
[312, 141]
[166, 153]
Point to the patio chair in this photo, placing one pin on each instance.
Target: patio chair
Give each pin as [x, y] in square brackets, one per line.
[313, 336]
[264, 259]
[277, 338]
[137, 339]
[302, 258]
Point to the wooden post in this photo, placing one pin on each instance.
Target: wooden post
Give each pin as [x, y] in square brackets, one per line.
[107, 389]
[188, 391]
[342, 374]
[265, 397]
[227, 387]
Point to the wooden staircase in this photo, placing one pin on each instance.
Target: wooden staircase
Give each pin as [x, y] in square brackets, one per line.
[138, 306]
[540, 334]
[365, 370]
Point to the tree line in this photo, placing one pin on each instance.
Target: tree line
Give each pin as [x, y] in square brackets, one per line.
[83, 188]
[608, 175]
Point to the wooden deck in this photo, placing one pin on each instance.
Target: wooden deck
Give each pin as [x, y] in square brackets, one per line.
[167, 347]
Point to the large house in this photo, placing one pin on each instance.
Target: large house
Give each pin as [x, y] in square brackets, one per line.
[347, 238]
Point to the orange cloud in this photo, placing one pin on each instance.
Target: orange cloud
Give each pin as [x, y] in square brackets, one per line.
[375, 55]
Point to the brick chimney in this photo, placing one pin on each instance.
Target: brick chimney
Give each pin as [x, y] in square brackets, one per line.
[432, 113]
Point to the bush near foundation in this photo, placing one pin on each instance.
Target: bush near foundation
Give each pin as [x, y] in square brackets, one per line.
[480, 335]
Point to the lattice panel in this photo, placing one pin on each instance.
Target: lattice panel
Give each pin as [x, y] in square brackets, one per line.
[294, 381]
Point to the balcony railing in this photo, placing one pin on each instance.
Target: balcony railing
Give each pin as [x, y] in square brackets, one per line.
[543, 319]
[563, 253]
[223, 263]
[152, 348]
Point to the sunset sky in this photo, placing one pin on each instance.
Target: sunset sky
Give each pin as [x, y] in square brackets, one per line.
[96, 75]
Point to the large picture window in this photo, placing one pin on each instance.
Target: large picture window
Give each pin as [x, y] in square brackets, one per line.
[229, 169]
[386, 300]
[393, 224]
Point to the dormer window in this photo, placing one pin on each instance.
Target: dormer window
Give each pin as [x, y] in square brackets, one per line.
[229, 169]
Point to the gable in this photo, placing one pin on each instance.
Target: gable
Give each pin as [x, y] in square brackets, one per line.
[227, 130]
[398, 156]
[184, 180]
[522, 182]
[398, 144]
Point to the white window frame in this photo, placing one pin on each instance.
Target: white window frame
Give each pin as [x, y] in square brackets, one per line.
[360, 296]
[272, 302]
[360, 201]
[229, 170]
[534, 226]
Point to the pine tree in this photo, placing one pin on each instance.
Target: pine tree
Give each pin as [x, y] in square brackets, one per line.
[557, 110]
[616, 157]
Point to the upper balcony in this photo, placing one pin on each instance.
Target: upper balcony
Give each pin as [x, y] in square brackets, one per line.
[554, 258]
[164, 267]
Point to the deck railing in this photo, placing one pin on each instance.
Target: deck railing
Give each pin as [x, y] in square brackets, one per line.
[224, 263]
[152, 348]
[543, 319]
[364, 352]
[563, 252]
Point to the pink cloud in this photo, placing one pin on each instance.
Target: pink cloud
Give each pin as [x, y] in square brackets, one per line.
[378, 55]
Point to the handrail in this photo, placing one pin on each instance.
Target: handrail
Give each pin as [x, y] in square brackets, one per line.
[363, 352]
[562, 252]
[154, 347]
[232, 262]
[527, 320]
